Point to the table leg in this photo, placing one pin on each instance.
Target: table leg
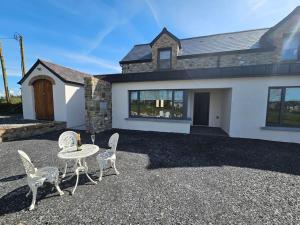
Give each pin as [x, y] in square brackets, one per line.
[86, 172]
[75, 166]
[77, 174]
[84, 168]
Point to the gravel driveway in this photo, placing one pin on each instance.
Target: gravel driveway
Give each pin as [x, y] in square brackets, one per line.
[165, 179]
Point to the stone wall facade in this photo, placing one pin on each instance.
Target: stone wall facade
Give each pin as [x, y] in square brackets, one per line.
[137, 67]
[165, 41]
[206, 61]
[98, 107]
[18, 131]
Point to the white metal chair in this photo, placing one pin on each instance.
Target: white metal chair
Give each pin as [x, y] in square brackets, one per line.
[37, 177]
[108, 158]
[67, 141]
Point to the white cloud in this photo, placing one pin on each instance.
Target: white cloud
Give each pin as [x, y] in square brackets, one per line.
[256, 4]
[94, 43]
[91, 60]
[153, 12]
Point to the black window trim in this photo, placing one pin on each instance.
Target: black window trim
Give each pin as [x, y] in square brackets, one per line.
[185, 99]
[158, 58]
[282, 98]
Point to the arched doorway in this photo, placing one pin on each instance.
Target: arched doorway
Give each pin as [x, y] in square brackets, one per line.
[43, 98]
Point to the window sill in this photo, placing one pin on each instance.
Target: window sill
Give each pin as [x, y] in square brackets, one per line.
[159, 120]
[292, 129]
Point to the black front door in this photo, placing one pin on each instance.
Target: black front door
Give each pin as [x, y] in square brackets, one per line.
[201, 109]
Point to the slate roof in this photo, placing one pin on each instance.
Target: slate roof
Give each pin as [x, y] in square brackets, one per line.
[67, 75]
[235, 41]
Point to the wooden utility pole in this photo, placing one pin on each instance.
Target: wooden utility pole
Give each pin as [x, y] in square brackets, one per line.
[19, 38]
[4, 76]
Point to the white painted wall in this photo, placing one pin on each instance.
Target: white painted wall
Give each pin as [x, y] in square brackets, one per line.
[75, 103]
[226, 110]
[247, 113]
[68, 100]
[58, 95]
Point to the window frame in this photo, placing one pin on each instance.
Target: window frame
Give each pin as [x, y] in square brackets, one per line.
[185, 98]
[281, 111]
[158, 57]
[284, 37]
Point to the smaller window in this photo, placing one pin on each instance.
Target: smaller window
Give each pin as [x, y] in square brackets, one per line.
[290, 48]
[164, 59]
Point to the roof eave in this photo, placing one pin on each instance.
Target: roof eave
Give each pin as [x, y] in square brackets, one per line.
[52, 71]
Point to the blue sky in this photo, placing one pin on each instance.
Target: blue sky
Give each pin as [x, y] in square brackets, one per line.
[94, 35]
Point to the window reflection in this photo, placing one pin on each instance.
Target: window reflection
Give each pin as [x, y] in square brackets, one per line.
[284, 106]
[291, 110]
[157, 103]
[274, 105]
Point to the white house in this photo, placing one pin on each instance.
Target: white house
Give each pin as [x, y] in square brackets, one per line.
[53, 92]
[247, 83]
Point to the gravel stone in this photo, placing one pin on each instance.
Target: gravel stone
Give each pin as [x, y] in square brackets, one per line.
[164, 179]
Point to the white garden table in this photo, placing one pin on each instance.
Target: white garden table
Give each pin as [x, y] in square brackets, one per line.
[79, 157]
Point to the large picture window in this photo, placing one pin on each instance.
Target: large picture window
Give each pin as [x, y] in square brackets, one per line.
[284, 106]
[169, 104]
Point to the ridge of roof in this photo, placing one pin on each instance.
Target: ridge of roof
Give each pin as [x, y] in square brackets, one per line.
[210, 35]
[226, 33]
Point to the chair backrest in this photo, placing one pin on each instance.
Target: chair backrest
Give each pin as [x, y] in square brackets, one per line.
[29, 167]
[113, 142]
[67, 139]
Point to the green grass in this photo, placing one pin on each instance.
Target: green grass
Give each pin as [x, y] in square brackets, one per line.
[14, 107]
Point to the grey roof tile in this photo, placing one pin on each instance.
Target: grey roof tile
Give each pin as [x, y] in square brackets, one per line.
[242, 40]
[67, 73]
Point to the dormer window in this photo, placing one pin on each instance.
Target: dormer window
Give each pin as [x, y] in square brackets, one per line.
[164, 59]
[290, 48]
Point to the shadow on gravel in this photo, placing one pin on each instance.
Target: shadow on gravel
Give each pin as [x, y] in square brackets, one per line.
[16, 200]
[12, 178]
[167, 150]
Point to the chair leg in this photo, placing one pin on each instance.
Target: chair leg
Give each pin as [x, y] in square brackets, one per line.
[114, 166]
[57, 187]
[101, 170]
[65, 171]
[34, 192]
[28, 193]
[77, 174]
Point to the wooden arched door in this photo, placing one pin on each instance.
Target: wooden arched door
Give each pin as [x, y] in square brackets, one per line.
[43, 98]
